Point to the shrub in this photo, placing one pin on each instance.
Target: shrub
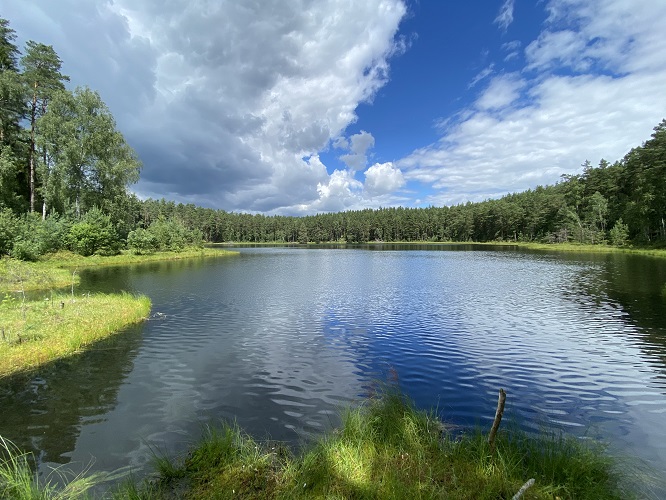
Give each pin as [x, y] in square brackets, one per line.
[167, 234]
[8, 230]
[141, 241]
[26, 244]
[53, 233]
[94, 233]
[619, 234]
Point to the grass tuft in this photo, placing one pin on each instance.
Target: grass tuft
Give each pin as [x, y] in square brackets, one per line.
[19, 482]
[388, 449]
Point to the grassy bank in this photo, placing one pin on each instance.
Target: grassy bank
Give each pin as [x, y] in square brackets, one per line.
[54, 271]
[19, 276]
[18, 482]
[72, 260]
[555, 247]
[386, 449]
[576, 247]
[36, 332]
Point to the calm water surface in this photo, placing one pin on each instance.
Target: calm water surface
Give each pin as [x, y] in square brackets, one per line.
[280, 338]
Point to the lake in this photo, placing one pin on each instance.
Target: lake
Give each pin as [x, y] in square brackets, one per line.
[279, 339]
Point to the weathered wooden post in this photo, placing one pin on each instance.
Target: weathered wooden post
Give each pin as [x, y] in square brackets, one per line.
[498, 418]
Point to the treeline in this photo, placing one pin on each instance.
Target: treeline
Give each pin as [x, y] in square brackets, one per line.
[609, 203]
[65, 172]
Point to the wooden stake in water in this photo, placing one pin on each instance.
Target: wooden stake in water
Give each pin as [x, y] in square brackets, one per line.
[498, 419]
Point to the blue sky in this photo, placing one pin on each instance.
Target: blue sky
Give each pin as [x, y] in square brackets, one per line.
[329, 105]
[449, 45]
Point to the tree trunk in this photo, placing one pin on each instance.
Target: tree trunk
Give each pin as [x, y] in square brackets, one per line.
[33, 122]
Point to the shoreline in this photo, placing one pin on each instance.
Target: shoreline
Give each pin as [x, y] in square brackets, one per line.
[386, 448]
[59, 270]
[37, 332]
[555, 247]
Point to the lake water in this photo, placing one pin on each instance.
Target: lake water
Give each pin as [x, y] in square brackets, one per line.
[279, 339]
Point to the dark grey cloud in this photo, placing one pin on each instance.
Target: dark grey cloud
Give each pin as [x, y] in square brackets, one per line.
[224, 100]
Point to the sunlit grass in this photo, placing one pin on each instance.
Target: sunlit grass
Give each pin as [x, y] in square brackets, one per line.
[59, 270]
[19, 276]
[583, 248]
[33, 333]
[387, 449]
[71, 260]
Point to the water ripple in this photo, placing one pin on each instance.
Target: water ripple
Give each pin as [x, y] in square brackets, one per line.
[279, 340]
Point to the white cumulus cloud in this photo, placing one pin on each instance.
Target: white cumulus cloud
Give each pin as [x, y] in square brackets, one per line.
[383, 178]
[358, 146]
[592, 88]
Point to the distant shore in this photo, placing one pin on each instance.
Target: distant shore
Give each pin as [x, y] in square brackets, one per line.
[555, 247]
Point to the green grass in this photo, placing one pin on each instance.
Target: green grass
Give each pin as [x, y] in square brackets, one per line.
[34, 333]
[384, 449]
[19, 482]
[58, 270]
[387, 449]
[19, 276]
[72, 260]
[576, 247]
[556, 247]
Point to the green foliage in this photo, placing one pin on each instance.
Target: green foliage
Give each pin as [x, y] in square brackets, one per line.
[28, 243]
[303, 234]
[88, 161]
[8, 230]
[43, 79]
[644, 187]
[619, 234]
[94, 233]
[169, 234]
[8, 179]
[142, 241]
[58, 148]
[28, 237]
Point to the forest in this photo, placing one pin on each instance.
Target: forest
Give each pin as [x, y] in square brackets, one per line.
[66, 172]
